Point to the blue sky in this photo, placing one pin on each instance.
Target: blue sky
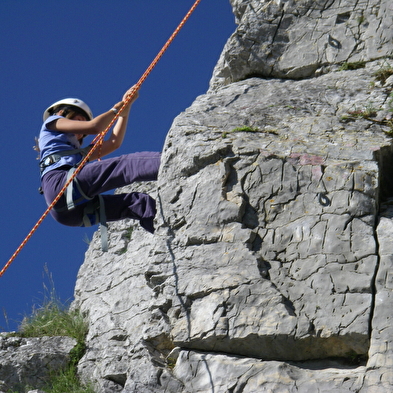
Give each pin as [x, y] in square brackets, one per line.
[93, 50]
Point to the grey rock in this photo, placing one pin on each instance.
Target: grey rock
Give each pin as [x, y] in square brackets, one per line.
[27, 362]
[262, 251]
[223, 373]
[270, 267]
[299, 39]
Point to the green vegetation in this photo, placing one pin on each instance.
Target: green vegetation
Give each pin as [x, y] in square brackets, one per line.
[369, 112]
[365, 113]
[352, 66]
[383, 73]
[245, 129]
[361, 19]
[126, 236]
[54, 318]
[66, 381]
[390, 132]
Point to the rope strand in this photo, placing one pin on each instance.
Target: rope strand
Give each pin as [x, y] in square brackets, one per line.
[100, 137]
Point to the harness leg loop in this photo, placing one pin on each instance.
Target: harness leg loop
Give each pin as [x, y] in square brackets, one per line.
[94, 213]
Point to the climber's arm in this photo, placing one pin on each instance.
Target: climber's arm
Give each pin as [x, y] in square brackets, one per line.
[115, 139]
[96, 125]
[89, 127]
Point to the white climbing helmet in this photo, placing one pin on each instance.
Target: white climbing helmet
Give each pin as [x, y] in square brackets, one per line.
[72, 102]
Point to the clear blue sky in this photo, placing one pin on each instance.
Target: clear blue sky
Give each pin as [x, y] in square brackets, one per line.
[93, 50]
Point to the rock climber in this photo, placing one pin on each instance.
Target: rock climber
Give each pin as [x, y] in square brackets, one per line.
[66, 123]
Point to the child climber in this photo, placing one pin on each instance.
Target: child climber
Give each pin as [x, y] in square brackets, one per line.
[66, 123]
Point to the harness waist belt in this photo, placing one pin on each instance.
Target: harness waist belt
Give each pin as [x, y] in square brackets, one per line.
[55, 157]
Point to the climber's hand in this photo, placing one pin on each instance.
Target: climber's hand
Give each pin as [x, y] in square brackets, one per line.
[131, 92]
[129, 96]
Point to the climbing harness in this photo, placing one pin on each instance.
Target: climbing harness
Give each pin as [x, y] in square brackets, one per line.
[55, 157]
[94, 212]
[97, 141]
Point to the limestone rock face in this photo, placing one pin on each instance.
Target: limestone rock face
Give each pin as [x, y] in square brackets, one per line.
[271, 266]
[28, 361]
[299, 38]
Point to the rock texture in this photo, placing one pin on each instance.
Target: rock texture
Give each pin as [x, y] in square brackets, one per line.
[301, 38]
[270, 270]
[27, 362]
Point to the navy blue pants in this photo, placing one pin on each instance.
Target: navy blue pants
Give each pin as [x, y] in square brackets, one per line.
[101, 176]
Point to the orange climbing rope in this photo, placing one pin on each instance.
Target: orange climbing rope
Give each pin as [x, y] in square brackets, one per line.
[100, 137]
